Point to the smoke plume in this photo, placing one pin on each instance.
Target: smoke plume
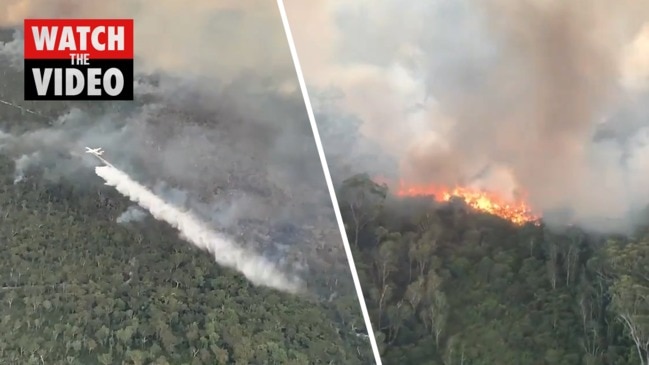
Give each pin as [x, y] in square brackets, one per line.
[254, 267]
[547, 97]
[209, 38]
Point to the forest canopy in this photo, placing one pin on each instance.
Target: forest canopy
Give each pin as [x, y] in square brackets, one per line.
[448, 285]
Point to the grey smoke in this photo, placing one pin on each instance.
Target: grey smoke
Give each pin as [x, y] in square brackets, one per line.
[132, 214]
[23, 163]
[229, 141]
[12, 50]
[219, 38]
[536, 93]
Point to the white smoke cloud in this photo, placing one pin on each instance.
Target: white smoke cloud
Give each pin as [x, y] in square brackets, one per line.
[23, 163]
[132, 214]
[254, 267]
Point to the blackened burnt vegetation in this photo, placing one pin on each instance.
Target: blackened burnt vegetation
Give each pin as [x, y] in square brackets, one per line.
[446, 285]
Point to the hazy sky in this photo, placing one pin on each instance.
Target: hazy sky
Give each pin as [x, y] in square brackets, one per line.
[221, 38]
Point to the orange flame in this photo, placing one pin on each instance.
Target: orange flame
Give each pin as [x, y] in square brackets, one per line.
[517, 212]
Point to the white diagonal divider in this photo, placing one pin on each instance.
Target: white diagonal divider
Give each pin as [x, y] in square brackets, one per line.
[327, 174]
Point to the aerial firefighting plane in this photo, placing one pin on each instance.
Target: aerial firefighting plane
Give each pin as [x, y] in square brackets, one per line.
[97, 152]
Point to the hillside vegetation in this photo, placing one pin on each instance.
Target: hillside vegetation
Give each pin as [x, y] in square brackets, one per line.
[77, 288]
[448, 286]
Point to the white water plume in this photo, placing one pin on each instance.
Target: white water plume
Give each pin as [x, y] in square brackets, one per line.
[254, 267]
